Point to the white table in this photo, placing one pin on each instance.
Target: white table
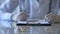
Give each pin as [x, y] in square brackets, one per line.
[29, 26]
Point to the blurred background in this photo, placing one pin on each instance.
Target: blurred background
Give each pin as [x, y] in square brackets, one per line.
[10, 11]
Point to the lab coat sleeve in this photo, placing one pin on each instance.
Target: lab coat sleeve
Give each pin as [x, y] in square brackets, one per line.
[9, 5]
[55, 6]
[39, 12]
[6, 8]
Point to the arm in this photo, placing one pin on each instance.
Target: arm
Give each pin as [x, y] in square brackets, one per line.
[7, 8]
[9, 5]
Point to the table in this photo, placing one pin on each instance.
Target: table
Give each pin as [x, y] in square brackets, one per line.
[22, 24]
